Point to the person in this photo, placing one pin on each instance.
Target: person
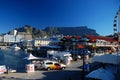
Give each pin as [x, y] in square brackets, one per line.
[87, 67]
[8, 70]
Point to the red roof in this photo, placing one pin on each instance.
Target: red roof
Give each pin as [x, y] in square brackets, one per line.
[80, 46]
[69, 37]
[94, 38]
[77, 37]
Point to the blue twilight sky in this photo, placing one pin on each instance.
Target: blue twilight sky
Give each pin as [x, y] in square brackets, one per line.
[96, 14]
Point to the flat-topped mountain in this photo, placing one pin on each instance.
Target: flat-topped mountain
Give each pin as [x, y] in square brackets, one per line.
[81, 31]
[49, 31]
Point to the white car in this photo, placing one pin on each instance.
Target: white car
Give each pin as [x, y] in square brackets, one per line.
[52, 65]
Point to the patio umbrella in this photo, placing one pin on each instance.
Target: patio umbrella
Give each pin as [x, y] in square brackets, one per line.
[101, 74]
[31, 57]
[107, 58]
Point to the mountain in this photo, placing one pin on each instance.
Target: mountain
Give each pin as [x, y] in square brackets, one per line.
[81, 31]
[35, 32]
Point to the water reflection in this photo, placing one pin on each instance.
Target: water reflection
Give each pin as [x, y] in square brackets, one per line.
[13, 59]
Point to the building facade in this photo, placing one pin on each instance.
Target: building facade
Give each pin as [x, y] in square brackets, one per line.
[12, 38]
[25, 35]
[1, 38]
[41, 42]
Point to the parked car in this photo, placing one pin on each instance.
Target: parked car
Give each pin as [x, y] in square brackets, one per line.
[52, 65]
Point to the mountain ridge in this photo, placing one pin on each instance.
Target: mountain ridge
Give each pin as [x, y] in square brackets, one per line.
[81, 31]
[49, 31]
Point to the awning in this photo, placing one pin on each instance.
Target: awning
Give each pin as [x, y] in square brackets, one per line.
[107, 58]
[101, 74]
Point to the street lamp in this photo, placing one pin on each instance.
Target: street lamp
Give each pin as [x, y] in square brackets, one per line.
[83, 59]
[83, 70]
[83, 40]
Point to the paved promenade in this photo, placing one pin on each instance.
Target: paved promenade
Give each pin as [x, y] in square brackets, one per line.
[72, 72]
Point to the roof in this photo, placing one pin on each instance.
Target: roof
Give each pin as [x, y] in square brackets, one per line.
[69, 37]
[94, 38]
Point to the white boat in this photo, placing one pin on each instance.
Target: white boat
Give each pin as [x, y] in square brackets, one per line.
[15, 47]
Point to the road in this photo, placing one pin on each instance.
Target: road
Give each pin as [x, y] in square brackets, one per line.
[72, 72]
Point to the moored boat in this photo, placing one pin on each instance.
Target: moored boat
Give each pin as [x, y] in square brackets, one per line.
[15, 47]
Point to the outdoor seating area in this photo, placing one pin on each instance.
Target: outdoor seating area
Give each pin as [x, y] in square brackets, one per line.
[107, 58]
[106, 69]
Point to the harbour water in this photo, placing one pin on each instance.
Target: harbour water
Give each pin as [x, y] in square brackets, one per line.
[13, 59]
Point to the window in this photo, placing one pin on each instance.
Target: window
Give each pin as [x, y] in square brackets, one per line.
[49, 63]
[57, 64]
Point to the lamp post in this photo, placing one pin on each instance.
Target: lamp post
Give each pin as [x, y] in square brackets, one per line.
[83, 40]
[74, 53]
[83, 70]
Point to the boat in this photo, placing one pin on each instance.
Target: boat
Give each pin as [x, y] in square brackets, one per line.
[15, 47]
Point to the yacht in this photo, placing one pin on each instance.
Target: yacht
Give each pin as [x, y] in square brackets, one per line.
[15, 47]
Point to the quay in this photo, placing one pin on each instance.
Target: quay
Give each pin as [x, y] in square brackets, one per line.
[4, 47]
[72, 72]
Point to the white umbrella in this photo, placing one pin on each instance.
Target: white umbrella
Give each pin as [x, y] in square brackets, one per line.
[107, 58]
[101, 74]
[31, 57]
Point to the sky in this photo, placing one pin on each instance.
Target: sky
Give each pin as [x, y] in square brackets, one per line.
[95, 14]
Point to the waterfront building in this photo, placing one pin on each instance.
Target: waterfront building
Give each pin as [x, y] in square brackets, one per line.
[1, 38]
[26, 44]
[15, 37]
[25, 36]
[18, 38]
[45, 42]
[55, 41]
[90, 42]
[13, 32]
[100, 43]
[11, 38]
[41, 42]
[70, 42]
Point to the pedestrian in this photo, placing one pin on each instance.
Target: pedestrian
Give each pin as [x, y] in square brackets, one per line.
[88, 67]
[8, 70]
[85, 66]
